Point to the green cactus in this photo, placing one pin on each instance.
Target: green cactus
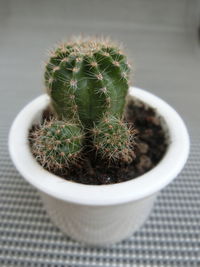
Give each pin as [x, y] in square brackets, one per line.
[86, 80]
[113, 140]
[57, 144]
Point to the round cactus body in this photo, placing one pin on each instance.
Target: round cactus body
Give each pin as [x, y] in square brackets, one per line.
[86, 80]
[113, 140]
[56, 144]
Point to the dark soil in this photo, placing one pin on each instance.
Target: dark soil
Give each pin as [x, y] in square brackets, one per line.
[150, 146]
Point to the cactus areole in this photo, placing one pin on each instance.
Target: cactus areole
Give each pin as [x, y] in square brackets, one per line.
[87, 80]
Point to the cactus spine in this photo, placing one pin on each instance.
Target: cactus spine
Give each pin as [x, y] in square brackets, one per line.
[86, 80]
[57, 144]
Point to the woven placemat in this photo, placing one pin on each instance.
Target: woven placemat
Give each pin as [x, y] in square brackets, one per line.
[170, 237]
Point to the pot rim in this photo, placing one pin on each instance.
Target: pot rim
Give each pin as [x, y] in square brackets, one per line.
[100, 195]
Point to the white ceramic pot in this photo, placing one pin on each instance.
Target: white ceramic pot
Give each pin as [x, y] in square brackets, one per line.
[99, 214]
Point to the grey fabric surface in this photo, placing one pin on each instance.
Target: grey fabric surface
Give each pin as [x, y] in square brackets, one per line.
[159, 37]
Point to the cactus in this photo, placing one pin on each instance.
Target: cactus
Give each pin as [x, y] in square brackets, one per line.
[57, 144]
[113, 140]
[87, 79]
[87, 82]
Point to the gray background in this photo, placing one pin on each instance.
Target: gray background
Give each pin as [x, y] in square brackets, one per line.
[161, 38]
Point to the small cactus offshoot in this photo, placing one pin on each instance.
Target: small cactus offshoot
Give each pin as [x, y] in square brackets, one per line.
[57, 144]
[86, 80]
[113, 140]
